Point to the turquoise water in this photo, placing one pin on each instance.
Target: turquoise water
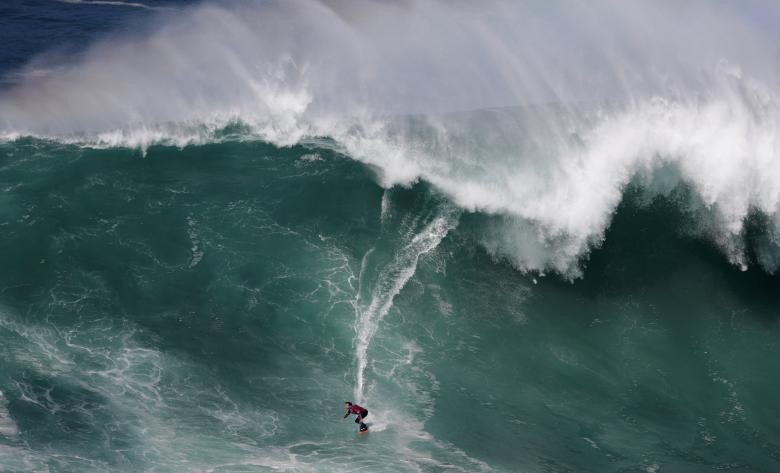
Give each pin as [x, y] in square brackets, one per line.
[201, 310]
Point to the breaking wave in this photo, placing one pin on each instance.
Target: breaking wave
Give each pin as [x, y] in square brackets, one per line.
[542, 128]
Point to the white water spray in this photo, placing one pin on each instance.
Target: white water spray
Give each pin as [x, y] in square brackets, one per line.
[392, 278]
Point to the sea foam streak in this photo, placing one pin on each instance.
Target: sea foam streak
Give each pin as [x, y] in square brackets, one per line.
[392, 278]
[596, 99]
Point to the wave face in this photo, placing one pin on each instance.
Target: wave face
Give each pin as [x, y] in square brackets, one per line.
[501, 227]
[210, 308]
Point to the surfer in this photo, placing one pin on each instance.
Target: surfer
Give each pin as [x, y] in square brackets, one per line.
[361, 413]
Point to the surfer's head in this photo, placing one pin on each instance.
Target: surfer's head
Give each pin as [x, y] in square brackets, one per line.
[347, 403]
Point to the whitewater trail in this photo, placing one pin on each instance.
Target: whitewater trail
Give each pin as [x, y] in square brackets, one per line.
[421, 232]
[391, 279]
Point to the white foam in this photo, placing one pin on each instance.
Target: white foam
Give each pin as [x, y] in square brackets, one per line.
[557, 196]
[196, 250]
[653, 468]
[7, 425]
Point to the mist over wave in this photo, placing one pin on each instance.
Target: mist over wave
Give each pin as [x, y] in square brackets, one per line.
[538, 115]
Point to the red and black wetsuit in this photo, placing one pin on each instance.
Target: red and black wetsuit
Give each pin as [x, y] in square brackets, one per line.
[361, 412]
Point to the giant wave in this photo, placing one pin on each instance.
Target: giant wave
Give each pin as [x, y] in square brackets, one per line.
[560, 123]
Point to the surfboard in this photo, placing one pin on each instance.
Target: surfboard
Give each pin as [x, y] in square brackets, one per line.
[361, 432]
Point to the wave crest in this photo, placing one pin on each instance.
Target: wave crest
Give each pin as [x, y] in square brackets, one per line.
[565, 107]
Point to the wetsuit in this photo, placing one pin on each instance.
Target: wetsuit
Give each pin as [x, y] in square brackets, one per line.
[361, 412]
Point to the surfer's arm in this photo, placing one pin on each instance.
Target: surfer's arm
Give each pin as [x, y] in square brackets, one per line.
[346, 415]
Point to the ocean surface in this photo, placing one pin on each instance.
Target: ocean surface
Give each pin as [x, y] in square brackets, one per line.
[219, 221]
